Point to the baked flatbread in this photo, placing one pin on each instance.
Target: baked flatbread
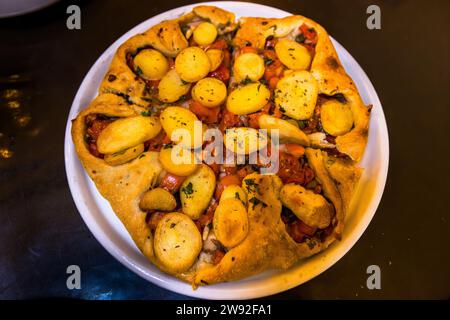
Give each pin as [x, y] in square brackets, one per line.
[207, 222]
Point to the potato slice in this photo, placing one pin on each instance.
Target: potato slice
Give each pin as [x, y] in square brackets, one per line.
[210, 92]
[336, 117]
[205, 33]
[313, 209]
[177, 160]
[215, 58]
[296, 95]
[126, 133]
[177, 118]
[248, 99]
[230, 222]
[197, 190]
[171, 87]
[234, 192]
[293, 55]
[248, 66]
[192, 64]
[158, 199]
[151, 64]
[124, 156]
[177, 242]
[244, 140]
[288, 132]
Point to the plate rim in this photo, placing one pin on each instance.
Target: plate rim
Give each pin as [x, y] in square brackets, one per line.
[214, 291]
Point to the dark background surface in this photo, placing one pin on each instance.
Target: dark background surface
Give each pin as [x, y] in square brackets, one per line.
[41, 231]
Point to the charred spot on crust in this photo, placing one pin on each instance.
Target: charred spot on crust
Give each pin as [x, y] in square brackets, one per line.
[332, 63]
[264, 23]
[364, 132]
[111, 78]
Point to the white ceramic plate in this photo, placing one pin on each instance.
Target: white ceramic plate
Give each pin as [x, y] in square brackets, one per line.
[109, 231]
[13, 8]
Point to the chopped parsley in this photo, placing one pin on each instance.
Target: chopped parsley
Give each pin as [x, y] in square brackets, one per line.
[139, 71]
[255, 201]
[246, 81]
[267, 61]
[300, 38]
[188, 190]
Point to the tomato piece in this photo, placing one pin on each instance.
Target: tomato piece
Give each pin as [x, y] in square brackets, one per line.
[304, 228]
[97, 126]
[215, 167]
[222, 73]
[308, 174]
[308, 32]
[207, 217]
[92, 146]
[229, 169]
[152, 85]
[295, 232]
[153, 219]
[293, 149]
[224, 182]
[218, 256]
[244, 171]
[171, 182]
[248, 50]
[275, 69]
[229, 119]
[205, 114]
[157, 142]
[271, 42]
[273, 82]
[290, 169]
[253, 119]
[220, 44]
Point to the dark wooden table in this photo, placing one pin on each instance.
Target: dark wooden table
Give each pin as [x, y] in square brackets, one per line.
[42, 63]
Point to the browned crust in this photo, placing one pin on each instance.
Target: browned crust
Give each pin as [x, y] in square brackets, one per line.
[339, 178]
[168, 38]
[267, 245]
[325, 67]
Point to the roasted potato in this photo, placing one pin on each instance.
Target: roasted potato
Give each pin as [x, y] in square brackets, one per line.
[197, 190]
[177, 242]
[215, 58]
[210, 92]
[313, 209]
[177, 160]
[173, 119]
[192, 64]
[124, 156]
[336, 117]
[171, 87]
[296, 95]
[248, 99]
[158, 199]
[126, 133]
[234, 191]
[288, 133]
[244, 140]
[248, 66]
[293, 55]
[151, 64]
[205, 33]
[230, 222]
